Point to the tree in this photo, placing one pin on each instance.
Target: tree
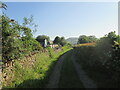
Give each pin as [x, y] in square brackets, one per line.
[40, 38]
[112, 37]
[61, 41]
[57, 40]
[17, 39]
[92, 38]
[43, 39]
[83, 39]
[86, 39]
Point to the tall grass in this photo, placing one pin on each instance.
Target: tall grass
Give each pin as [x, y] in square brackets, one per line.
[36, 75]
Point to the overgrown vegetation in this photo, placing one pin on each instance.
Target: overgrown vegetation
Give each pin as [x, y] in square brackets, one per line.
[17, 40]
[86, 39]
[101, 61]
[33, 73]
[31, 64]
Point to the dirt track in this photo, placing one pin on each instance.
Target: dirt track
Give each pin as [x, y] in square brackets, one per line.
[55, 76]
[87, 82]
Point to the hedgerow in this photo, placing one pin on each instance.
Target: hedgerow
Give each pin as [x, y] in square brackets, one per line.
[17, 40]
[102, 60]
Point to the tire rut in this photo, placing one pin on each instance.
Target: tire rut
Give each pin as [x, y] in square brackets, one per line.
[83, 77]
[55, 76]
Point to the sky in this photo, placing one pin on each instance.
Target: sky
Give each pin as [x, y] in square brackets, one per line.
[68, 19]
[60, 0]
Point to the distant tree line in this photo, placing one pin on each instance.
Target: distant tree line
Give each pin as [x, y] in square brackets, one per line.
[86, 39]
[58, 40]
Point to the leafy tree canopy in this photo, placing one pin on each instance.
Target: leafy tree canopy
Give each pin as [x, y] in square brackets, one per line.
[41, 38]
[17, 39]
[86, 39]
[60, 40]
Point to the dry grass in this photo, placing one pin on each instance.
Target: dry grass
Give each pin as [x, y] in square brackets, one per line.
[85, 44]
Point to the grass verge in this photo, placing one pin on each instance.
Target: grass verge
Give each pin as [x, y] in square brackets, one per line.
[35, 75]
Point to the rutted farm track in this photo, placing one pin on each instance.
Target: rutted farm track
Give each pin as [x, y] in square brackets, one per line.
[79, 78]
[55, 76]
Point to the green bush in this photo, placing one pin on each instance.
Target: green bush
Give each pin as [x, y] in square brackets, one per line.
[17, 39]
[103, 59]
